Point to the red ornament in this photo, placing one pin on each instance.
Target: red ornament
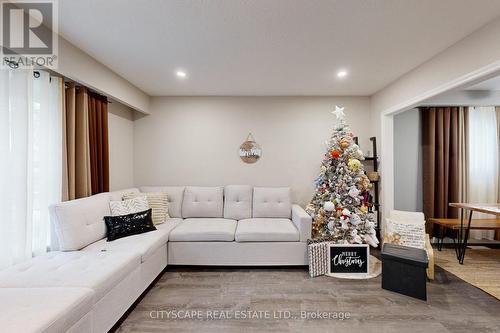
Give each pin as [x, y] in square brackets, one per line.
[335, 153]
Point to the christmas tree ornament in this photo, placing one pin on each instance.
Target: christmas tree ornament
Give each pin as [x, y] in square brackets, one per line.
[329, 206]
[344, 143]
[364, 183]
[354, 164]
[346, 212]
[371, 239]
[330, 225]
[353, 192]
[335, 153]
[342, 191]
[357, 239]
[355, 219]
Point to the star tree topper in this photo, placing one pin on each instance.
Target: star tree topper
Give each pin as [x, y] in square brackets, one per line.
[339, 112]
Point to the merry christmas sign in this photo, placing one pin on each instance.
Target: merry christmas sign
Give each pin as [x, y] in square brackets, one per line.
[348, 258]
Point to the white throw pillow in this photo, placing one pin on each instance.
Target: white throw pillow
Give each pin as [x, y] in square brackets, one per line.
[157, 201]
[129, 206]
[405, 233]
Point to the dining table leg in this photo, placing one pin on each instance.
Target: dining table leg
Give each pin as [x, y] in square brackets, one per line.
[458, 245]
[465, 238]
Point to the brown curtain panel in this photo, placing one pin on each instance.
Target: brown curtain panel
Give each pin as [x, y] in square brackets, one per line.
[441, 166]
[497, 109]
[99, 145]
[76, 154]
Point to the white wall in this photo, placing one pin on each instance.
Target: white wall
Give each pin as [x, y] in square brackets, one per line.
[478, 51]
[408, 161]
[81, 67]
[466, 98]
[121, 146]
[470, 59]
[195, 140]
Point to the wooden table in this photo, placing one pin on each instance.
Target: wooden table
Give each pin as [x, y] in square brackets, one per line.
[456, 224]
[463, 234]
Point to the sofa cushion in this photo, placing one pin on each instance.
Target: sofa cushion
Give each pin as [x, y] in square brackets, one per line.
[157, 201]
[238, 202]
[118, 195]
[266, 230]
[202, 202]
[97, 271]
[204, 230]
[125, 207]
[271, 202]
[146, 244]
[175, 195]
[43, 309]
[79, 223]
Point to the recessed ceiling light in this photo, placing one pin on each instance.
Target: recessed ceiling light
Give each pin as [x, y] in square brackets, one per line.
[341, 73]
[181, 74]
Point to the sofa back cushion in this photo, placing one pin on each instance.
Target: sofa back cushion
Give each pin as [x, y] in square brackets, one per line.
[272, 202]
[238, 202]
[79, 223]
[175, 195]
[202, 202]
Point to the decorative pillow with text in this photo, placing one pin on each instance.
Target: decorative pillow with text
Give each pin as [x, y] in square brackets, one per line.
[128, 225]
[406, 234]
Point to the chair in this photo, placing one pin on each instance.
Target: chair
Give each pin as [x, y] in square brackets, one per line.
[416, 218]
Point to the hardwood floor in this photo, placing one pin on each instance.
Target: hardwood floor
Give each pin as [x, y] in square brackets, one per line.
[452, 306]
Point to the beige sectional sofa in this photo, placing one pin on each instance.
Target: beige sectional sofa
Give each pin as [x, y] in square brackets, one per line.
[89, 283]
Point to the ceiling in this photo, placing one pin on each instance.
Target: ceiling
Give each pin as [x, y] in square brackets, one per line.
[261, 47]
[490, 84]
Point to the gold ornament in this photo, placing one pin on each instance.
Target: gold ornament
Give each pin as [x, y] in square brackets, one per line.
[344, 143]
[320, 219]
[364, 183]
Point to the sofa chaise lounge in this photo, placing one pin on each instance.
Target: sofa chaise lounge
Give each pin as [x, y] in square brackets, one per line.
[89, 283]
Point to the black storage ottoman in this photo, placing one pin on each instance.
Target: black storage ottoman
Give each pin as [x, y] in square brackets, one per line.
[404, 270]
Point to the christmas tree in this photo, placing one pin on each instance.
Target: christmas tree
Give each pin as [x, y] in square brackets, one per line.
[340, 207]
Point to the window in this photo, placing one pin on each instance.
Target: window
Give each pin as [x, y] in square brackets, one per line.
[30, 171]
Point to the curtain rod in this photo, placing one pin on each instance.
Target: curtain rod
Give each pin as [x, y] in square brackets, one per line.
[14, 65]
[78, 86]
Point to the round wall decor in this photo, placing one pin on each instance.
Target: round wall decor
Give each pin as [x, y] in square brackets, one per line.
[250, 151]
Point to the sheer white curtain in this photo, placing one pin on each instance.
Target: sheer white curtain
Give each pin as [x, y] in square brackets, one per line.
[46, 165]
[483, 161]
[30, 169]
